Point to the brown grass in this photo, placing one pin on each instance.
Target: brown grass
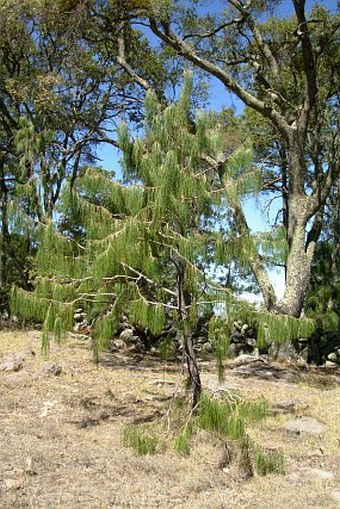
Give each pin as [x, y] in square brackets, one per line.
[60, 437]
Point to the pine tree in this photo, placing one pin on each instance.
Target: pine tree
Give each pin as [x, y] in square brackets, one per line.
[140, 248]
[136, 238]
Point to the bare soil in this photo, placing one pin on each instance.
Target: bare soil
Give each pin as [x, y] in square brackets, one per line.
[60, 436]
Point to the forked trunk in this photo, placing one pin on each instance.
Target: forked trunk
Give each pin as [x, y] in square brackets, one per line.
[300, 250]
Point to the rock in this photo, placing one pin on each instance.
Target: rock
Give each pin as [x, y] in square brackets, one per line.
[251, 342]
[126, 335]
[79, 312]
[29, 470]
[47, 407]
[330, 364]
[10, 365]
[77, 327]
[232, 351]
[332, 357]
[118, 344]
[304, 353]
[14, 362]
[82, 328]
[335, 494]
[136, 340]
[12, 484]
[245, 327]
[243, 359]
[200, 339]
[261, 369]
[51, 369]
[307, 425]
[284, 352]
[237, 325]
[237, 337]
[136, 346]
[318, 473]
[207, 347]
[328, 345]
[289, 406]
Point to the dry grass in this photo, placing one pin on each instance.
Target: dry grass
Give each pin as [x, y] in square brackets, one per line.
[60, 438]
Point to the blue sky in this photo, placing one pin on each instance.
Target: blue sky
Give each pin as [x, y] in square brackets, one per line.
[258, 218]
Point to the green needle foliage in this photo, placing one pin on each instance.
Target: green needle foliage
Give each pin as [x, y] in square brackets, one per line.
[182, 441]
[141, 442]
[139, 247]
[228, 418]
[268, 462]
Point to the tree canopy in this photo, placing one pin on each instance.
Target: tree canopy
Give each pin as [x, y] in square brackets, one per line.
[286, 72]
[76, 75]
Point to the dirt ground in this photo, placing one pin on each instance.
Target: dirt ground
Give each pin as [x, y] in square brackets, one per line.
[60, 436]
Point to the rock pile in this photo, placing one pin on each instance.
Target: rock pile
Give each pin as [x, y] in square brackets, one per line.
[242, 340]
[321, 349]
[80, 321]
[129, 338]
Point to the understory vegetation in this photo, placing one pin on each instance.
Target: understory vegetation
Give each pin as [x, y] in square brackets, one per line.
[225, 417]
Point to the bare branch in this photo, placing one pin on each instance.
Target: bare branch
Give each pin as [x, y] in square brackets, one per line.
[121, 59]
[213, 32]
[308, 63]
[183, 48]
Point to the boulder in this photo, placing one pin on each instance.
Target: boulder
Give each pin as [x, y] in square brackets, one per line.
[207, 347]
[10, 365]
[243, 359]
[51, 369]
[332, 357]
[251, 342]
[14, 362]
[126, 335]
[118, 344]
[308, 425]
[285, 352]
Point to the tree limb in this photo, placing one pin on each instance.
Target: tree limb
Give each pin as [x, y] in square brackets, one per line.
[168, 36]
[121, 59]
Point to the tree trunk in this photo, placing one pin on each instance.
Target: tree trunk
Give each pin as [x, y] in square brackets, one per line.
[298, 271]
[3, 239]
[189, 351]
[193, 370]
[300, 251]
[255, 259]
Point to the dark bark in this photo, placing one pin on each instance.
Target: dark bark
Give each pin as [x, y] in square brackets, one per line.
[189, 351]
[3, 237]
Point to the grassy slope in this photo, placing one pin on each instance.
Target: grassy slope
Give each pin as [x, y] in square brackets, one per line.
[60, 441]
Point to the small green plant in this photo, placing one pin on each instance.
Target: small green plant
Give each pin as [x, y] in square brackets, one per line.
[228, 418]
[166, 349]
[141, 443]
[219, 334]
[252, 411]
[182, 441]
[270, 462]
[246, 463]
[213, 414]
